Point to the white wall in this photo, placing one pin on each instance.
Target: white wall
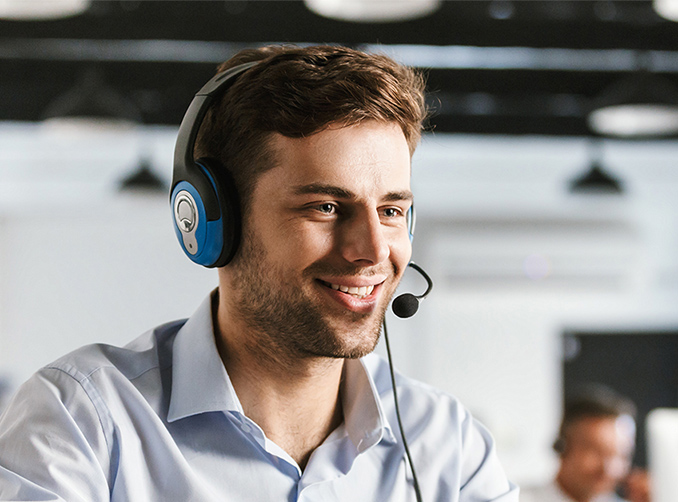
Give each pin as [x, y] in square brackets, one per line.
[81, 263]
[487, 207]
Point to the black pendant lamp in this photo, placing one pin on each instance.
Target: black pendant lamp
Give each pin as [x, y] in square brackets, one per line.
[596, 180]
[143, 180]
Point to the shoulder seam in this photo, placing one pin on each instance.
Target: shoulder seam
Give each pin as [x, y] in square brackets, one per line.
[105, 421]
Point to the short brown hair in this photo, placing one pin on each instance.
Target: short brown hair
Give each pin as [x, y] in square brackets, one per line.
[299, 91]
[592, 401]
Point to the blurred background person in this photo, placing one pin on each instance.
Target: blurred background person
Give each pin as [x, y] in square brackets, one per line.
[595, 445]
[636, 486]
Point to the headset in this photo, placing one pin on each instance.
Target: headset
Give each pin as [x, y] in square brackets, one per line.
[404, 306]
[204, 198]
[206, 210]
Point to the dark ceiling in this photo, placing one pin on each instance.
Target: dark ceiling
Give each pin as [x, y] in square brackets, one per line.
[494, 67]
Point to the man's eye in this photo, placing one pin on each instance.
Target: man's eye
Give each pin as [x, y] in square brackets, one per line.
[327, 208]
[392, 212]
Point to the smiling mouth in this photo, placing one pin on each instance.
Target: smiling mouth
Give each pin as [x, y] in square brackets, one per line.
[357, 292]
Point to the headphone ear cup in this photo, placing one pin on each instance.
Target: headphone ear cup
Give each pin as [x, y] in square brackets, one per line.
[207, 214]
[230, 228]
[411, 221]
[204, 199]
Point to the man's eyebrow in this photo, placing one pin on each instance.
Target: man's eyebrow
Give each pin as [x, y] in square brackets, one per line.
[397, 196]
[342, 193]
[322, 189]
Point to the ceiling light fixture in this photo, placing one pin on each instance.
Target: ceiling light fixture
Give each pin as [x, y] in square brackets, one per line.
[641, 105]
[596, 180]
[377, 11]
[668, 9]
[143, 180]
[501, 9]
[37, 10]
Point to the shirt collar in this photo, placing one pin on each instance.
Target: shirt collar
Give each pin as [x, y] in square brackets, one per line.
[364, 417]
[196, 364]
[199, 380]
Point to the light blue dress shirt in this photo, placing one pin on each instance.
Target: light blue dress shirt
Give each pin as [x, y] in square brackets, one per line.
[159, 420]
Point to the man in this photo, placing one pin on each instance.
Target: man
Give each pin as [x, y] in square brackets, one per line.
[269, 391]
[595, 446]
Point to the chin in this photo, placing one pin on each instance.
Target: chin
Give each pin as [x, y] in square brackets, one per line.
[358, 351]
[348, 342]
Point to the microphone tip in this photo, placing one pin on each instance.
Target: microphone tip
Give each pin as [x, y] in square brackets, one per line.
[405, 305]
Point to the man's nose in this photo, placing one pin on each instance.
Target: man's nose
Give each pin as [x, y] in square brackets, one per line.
[364, 240]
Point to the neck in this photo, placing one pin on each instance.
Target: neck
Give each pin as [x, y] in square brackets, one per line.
[296, 401]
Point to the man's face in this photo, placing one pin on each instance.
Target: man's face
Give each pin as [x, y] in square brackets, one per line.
[597, 455]
[325, 242]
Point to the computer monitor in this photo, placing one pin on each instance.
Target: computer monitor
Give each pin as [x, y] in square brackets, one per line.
[662, 450]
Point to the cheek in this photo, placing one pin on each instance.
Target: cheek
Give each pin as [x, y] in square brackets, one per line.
[580, 461]
[617, 467]
[401, 252]
[300, 245]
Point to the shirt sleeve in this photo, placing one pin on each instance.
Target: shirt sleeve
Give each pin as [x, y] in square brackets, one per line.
[455, 455]
[483, 475]
[52, 444]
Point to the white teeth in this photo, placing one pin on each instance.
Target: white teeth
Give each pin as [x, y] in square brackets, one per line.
[360, 292]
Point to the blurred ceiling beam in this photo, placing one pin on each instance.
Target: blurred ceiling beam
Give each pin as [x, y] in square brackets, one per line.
[421, 56]
[530, 69]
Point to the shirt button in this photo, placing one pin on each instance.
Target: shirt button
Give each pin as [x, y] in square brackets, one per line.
[245, 428]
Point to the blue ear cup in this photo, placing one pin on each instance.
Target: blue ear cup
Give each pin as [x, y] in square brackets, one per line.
[204, 199]
[411, 221]
[211, 242]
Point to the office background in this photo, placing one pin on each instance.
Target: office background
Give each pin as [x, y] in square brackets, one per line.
[525, 265]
